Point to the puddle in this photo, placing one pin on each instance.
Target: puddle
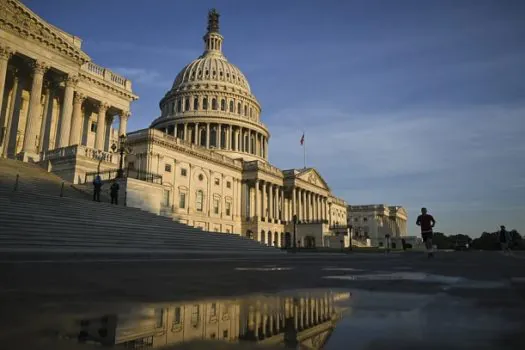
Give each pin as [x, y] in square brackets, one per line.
[307, 319]
[268, 268]
[340, 269]
[394, 276]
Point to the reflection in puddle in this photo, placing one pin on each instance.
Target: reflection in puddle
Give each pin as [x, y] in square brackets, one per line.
[305, 319]
[406, 276]
[268, 268]
[340, 269]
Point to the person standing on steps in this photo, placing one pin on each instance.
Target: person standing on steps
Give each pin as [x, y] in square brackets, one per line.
[97, 187]
[114, 192]
[427, 223]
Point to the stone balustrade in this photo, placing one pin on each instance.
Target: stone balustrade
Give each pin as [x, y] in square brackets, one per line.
[79, 150]
[107, 75]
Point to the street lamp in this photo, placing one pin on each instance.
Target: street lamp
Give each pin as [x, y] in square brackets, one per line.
[294, 231]
[121, 148]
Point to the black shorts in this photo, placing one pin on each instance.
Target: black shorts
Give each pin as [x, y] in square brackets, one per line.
[427, 235]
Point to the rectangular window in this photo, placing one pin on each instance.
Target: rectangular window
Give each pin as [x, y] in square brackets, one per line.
[159, 317]
[177, 319]
[213, 310]
[93, 127]
[182, 200]
[198, 200]
[228, 208]
[195, 314]
[217, 181]
[183, 172]
[228, 184]
[167, 198]
[216, 206]
[167, 168]
[225, 334]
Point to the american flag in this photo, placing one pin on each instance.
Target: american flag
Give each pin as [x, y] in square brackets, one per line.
[302, 139]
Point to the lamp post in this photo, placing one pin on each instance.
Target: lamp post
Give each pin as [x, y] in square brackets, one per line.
[294, 231]
[122, 149]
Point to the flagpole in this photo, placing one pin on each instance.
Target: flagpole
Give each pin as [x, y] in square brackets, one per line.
[304, 149]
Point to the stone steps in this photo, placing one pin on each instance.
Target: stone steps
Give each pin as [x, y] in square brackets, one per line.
[36, 219]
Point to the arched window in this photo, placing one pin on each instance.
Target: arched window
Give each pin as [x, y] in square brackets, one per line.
[251, 112]
[172, 107]
[195, 103]
[205, 103]
[199, 199]
[231, 106]
[179, 105]
[245, 110]
[263, 236]
[223, 105]
[213, 137]
[239, 108]
[187, 104]
[214, 104]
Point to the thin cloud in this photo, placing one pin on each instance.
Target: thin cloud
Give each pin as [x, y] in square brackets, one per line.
[146, 77]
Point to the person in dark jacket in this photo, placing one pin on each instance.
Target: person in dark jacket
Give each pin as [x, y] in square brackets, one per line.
[114, 192]
[97, 187]
[427, 223]
[505, 240]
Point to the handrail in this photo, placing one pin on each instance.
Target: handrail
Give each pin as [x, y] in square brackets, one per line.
[111, 174]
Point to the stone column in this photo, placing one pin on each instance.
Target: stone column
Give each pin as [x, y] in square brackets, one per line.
[256, 204]
[271, 206]
[10, 113]
[76, 124]
[185, 136]
[294, 203]
[5, 55]
[30, 145]
[283, 205]
[67, 106]
[219, 136]
[101, 124]
[265, 200]
[175, 129]
[49, 88]
[123, 123]
[230, 137]
[207, 135]
[197, 139]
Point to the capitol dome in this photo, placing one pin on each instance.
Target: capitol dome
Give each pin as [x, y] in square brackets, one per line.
[211, 104]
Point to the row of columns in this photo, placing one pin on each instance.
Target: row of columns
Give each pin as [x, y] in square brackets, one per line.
[71, 113]
[271, 203]
[265, 321]
[227, 136]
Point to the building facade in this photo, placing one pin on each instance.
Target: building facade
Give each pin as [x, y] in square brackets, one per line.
[374, 222]
[203, 161]
[210, 146]
[57, 107]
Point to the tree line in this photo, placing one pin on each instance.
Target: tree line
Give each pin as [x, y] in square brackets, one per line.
[487, 241]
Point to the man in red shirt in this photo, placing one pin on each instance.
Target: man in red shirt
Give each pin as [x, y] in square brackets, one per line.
[427, 222]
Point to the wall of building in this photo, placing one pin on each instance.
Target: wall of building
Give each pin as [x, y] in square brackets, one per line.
[144, 195]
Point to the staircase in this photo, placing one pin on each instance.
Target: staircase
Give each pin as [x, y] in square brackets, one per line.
[35, 218]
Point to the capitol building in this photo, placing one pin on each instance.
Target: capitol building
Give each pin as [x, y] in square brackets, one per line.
[203, 161]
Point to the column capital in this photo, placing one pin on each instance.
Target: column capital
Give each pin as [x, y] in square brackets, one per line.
[78, 98]
[102, 106]
[71, 80]
[39, 67]
[125, 114]
[5, 52]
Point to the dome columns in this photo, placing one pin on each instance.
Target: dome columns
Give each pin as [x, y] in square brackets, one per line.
[220, 136]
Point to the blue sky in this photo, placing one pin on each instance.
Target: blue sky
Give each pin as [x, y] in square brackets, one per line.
[410, 102]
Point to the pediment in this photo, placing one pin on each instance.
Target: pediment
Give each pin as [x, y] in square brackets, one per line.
[313, 177]
[16, 18]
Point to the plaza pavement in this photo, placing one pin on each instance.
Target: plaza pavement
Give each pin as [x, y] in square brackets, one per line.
[459, 289]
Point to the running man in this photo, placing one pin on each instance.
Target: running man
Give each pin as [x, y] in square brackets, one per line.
[504, 240]
[427, 222]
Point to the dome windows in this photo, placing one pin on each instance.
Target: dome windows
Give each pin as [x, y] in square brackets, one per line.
[245, 110]
[187, 104]
[223, 105]
[239, 108]
[214, 104]
[205, 103]
[207, 72]
[231, 106]
[179, 105]
[196, 104]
